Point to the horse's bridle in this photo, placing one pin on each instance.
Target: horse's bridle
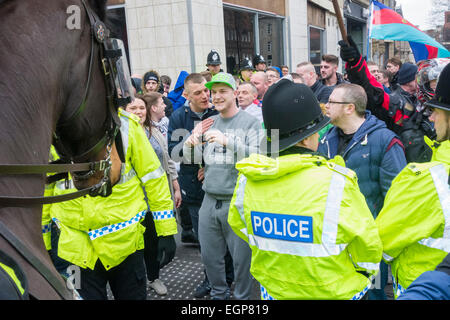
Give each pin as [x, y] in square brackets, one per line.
[69, 162]
[111, 126]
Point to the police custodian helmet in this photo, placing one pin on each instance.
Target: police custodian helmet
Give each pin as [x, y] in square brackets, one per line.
[258, 59]
[293, 109]
[213, 58]
[246, 64]
[441, 98]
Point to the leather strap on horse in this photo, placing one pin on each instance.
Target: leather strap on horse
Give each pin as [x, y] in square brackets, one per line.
[8, 201]
[53, 168]
[37, 201]
[43, 270]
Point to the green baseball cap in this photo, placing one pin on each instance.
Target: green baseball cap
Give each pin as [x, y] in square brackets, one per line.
[222, 77]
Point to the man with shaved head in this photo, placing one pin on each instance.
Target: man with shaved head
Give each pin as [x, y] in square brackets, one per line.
[261, 82]
[309, 76]
[247, 99]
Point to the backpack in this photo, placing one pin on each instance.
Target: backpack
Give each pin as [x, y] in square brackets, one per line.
[412, 136]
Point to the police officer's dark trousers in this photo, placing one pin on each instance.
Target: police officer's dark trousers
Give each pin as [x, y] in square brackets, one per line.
[127, 280]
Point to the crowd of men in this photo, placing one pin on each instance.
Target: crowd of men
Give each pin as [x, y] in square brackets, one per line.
[312, 183]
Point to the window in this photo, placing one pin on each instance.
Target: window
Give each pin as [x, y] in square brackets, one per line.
[246, 40]
[240, 44]
[271, 39]
[315, 46]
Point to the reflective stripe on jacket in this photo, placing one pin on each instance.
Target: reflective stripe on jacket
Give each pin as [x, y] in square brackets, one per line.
[308, 226]
[414, 224]
[108, 228]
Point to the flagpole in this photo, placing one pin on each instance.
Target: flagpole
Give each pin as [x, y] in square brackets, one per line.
[369, 45]
[340, 20]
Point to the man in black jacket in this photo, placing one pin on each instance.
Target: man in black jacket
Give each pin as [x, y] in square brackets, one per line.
[151, 82]
[309, 77]
[393, 65]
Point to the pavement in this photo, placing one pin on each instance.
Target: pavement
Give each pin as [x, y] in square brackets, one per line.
[185, 273]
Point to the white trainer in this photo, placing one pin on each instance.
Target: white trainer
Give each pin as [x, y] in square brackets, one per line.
[159, 287]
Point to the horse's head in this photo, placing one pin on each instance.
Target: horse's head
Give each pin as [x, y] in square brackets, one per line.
[97, 85]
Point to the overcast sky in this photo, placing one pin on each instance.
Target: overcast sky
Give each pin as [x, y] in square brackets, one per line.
[416, 12]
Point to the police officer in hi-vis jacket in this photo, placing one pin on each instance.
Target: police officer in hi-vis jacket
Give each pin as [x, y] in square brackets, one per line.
[314, 236]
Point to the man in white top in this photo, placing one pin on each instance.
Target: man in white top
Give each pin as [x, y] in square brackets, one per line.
[248, 100]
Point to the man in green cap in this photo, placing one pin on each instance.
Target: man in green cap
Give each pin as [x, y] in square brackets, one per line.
[222, 140]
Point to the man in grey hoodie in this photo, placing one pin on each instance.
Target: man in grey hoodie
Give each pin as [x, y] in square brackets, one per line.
[223, 140]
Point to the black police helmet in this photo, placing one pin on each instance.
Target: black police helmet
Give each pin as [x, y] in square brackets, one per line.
[246, 64]
[258, 59]
[441, 98]
[293, 109]
[213, 58]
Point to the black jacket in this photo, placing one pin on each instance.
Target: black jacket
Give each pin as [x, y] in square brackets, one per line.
[321, 91]
[398, 110]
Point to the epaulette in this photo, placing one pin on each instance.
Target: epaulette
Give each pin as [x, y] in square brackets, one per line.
[419, 168]
[349, 173]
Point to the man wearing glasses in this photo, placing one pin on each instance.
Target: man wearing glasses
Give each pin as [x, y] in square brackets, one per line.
[370, 149]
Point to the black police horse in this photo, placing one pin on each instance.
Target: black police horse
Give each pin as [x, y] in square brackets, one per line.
[52, 90]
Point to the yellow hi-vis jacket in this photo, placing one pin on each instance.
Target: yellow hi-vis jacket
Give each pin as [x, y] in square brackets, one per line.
[108, 228]
[46, 218]
[308, 226]
[414, 223]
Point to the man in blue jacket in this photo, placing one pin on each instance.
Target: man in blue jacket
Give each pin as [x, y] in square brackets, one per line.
[370, 149]
[431, 285]
[176, 95]
[183, 120]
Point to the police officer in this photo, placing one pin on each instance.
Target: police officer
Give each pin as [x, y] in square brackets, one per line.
[246, 70]
[104, 236]
[13, 282]
[311, 233]
[50, 231]
[213, 62]
[259, 63]
[418, 239]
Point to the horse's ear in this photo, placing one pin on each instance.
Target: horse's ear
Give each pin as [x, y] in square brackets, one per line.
[99, 6]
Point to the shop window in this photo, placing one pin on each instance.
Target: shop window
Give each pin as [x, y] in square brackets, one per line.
[241, 44]
[242, 24]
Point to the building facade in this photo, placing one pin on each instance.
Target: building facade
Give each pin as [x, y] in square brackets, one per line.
[174, 35]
